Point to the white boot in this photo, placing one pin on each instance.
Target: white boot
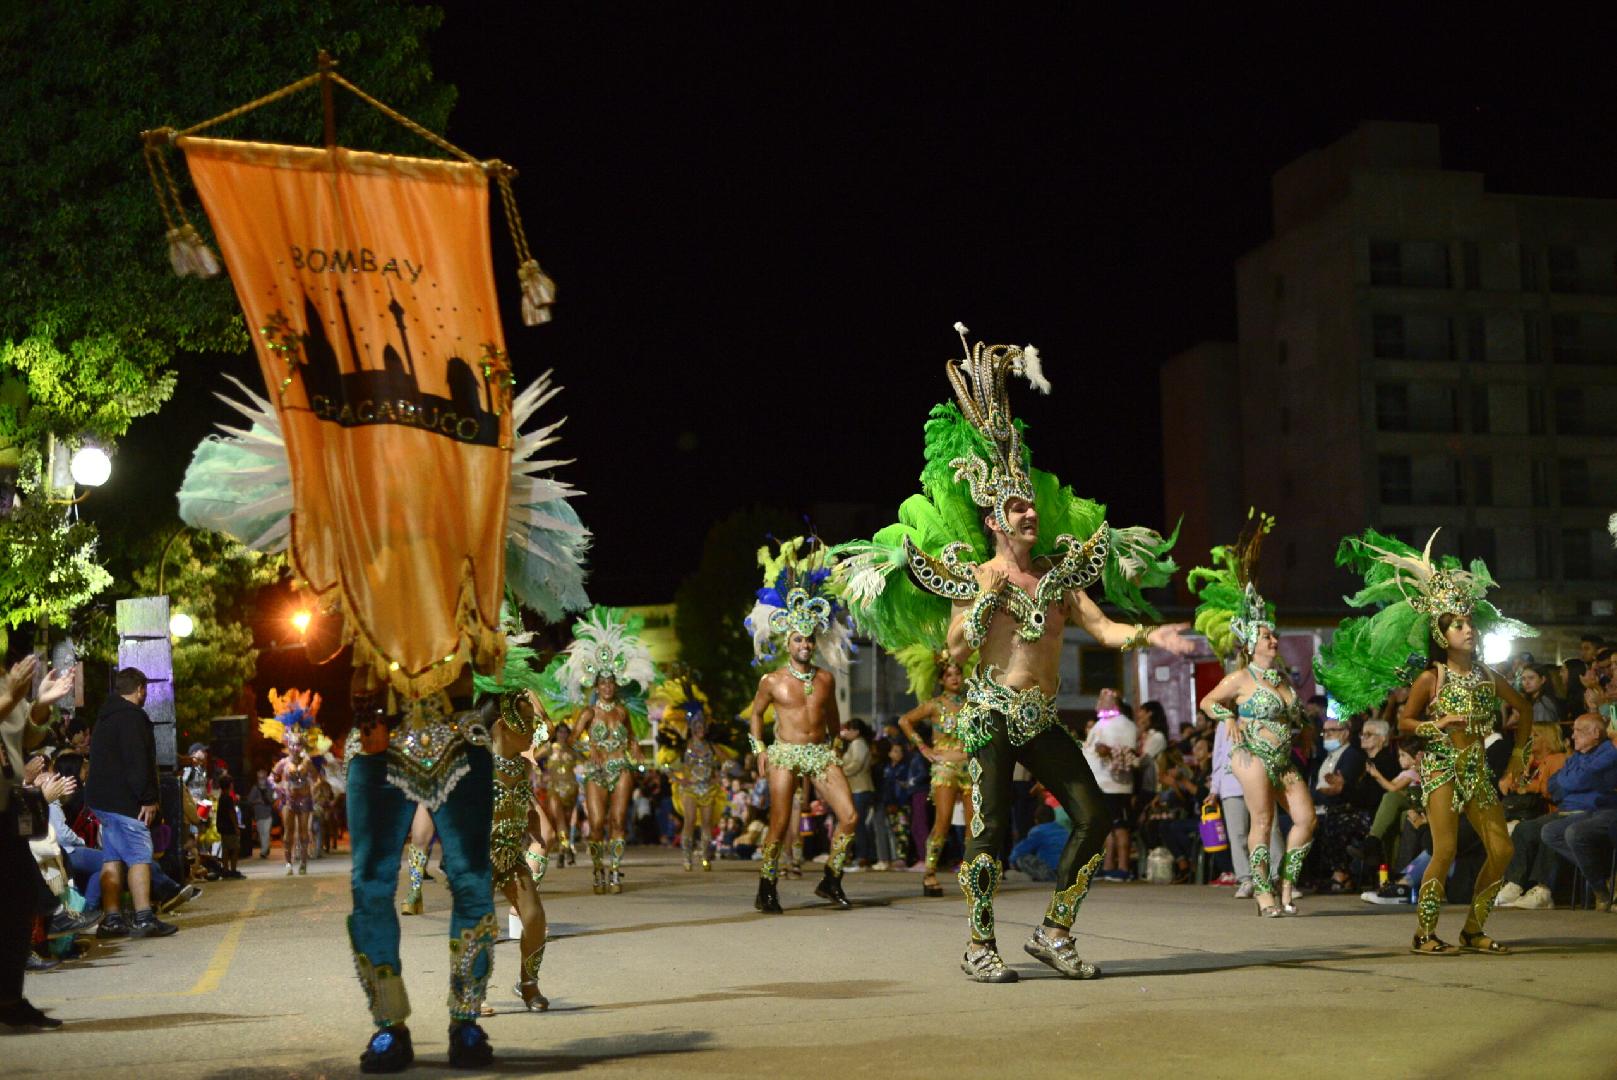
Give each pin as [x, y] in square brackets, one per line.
[1508, 895]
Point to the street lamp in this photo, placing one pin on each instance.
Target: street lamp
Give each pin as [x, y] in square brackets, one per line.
[301, 621]
[180, 625]
[1495, 648]
[90, 466]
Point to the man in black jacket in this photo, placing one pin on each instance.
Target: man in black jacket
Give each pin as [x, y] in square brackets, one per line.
[122, 791]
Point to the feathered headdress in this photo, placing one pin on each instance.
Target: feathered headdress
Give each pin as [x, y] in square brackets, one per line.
[239, 483]
[294, 721]
[799, 597]
[898, 582]
[996, 470]
[606, 643]
[1231, 611]
[1371, 655]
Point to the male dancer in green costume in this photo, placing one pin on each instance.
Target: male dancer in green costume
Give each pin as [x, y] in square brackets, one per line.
[1011, 603]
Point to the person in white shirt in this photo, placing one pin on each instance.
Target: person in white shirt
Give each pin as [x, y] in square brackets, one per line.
[1112, 756]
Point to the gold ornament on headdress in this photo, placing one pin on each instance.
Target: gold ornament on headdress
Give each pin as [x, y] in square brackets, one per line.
[979, 386]
[1433, 590]
[803, 614]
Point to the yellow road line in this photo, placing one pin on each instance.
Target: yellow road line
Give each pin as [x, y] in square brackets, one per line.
[214, 973]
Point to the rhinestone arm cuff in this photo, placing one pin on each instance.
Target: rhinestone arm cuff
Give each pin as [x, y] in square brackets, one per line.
[752, 741]
[1140, 639]
[978, 617]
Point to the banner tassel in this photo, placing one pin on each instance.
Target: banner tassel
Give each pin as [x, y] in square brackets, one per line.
[538, 293]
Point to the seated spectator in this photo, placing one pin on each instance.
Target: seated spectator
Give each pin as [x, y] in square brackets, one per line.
[1039, 852]
[1345, 805]
[1171, 821]
[1401, 791]
[746, 844]
[1584, 791]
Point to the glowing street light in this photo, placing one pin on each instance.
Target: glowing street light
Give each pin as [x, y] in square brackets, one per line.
[90, 466]
[301, 622]
[180, 624]
[1495, 648]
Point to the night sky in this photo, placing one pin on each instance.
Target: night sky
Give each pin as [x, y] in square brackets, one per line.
[762, 231]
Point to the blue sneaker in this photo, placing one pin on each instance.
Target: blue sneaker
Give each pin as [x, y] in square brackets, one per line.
[389, 1051]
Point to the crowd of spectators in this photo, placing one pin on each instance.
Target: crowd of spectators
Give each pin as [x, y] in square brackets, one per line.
[1177, 815]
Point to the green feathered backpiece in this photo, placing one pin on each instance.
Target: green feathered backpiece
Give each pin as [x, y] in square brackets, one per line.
[890, 608]
[1370, 656]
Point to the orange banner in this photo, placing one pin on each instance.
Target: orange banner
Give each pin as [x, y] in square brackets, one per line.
[368, 287]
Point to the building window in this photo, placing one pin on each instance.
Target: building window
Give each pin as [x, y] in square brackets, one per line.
[1529, 270]
[1577, 556]
[1584, 339]
[1473, 264]
[1427, 407]
[1392, 407]
[1285, 420]
[1397, 480]
[1574, 481]
[1582, 270]
[1410, 263]
[1535, 410]
[1280, 287]
[1482, 481]
[1479, 408]
[1532, 338]
[1478, 543]
[1280, 354]
[1291, 554]
[1287, 488]
[1586, 410]
[1544, 553]
[1476, 340]
[1412, 337]
[1541, 484]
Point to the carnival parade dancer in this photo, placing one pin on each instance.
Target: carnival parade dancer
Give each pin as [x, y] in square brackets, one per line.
[797, 608]
[996, 557]
[559, 759]
[430, 749]
[604, 674]
[930, 670]
[296, 773]
[694, 766]
[1259, 706]
[517, 724]
[1436, 614]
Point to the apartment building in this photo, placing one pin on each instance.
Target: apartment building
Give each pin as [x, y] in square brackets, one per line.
[1414, 352]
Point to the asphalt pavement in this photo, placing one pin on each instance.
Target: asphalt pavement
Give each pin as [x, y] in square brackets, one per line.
[678, 976]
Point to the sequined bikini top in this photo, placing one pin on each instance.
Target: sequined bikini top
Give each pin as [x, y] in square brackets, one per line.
[1270, 709]
[561, 759]
[607, 737]
[699, 760]
[1471, 695]
[948, 725]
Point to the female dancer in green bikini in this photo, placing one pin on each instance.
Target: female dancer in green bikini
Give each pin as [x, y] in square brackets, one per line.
[1260, 706]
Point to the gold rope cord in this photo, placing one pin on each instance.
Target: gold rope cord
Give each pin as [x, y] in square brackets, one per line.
[173, 207]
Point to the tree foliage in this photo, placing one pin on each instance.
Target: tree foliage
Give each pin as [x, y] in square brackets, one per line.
[713, 600]
[91, 316]
[215, 581]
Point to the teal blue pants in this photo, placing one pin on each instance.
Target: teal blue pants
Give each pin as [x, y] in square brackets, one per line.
[379, 817]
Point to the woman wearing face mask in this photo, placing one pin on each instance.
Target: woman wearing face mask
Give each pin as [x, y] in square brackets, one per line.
[1437, 607]
[1259, 708]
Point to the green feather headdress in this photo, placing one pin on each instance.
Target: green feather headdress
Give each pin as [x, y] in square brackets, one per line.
[894, 611]
[1230, 611]
[1370, 656]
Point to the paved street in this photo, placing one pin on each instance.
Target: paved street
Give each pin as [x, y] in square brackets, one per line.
[679, 977]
